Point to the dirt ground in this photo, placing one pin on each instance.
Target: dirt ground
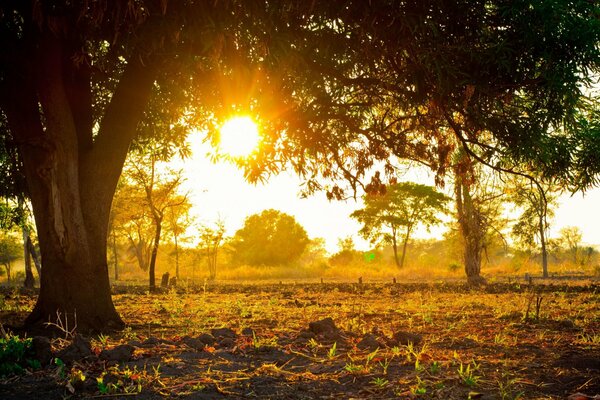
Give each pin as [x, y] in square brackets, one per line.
[320, 341]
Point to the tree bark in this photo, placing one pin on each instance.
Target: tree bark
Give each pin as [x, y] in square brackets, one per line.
[29, 282]
[395, 248]
[469, 221]
[404, 245]
[115, 255]
[71, 180]
[544, 250]
[152, 268]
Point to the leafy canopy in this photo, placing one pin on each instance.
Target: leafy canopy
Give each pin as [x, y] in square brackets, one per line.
[269, 238]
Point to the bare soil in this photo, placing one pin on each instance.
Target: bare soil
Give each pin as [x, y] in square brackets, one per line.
[276, 341]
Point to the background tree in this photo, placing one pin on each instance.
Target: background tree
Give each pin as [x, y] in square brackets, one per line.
[179, 221]
[10, 251]
[347, 252]
[269, 238]
[211, 240]
[537, 203]
[480, 217]
[570, 240]
[160, 193]
[394, 215]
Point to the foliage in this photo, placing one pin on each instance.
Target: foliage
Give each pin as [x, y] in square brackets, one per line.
[16, 355]
[396, 214]
[269, 238]
[10, 250]
[211, 240]
[499, 78]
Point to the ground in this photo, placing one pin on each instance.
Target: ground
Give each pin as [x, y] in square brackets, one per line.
[429, 341]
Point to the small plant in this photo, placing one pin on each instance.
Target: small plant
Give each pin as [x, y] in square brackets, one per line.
[332, 351]
[385, 364]
[435, 367]
[380, 382]
[420, 388]
[16, 355]
[352, 368]
[467, 374]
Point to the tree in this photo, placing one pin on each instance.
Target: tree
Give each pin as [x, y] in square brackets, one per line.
[570, 239]
[211, 240]
[536, 202]
[160, 194]
[340, 92]
[394, 215]
[479, 212]
[179, 220]
[269, 238]
[10, 251]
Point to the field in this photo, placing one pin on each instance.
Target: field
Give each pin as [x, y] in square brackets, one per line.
[432, 341]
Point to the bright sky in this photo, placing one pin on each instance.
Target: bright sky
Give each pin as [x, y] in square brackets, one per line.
[220, 191]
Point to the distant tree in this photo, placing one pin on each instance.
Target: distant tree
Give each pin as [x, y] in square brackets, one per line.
[570, 239]
[160, 188]
[346, 253]
[536, 202]
[315, 251]
[211, 239]
[393, 216]
[10, 251]
[178, 221]
[479, 198]
[269, 238]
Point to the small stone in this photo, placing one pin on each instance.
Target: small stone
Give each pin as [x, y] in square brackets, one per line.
[323, 326]
[368, 342]
[43, 349]
[151, 341]
[404, 338]
[194, 343]
[79, 348]
[248, 332]
[135, 343]
[227, 342]
[207, 339]
[120, 353]
[306, 334]
[223, 333]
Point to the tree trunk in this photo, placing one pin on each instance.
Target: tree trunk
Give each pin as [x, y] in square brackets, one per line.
[395, 248]
[544, 250]
[176, 256]
[115, 255]
[404, 245]
[152, 267]
[29, 282]
[72, 172]
[469, 221]
[35, 257]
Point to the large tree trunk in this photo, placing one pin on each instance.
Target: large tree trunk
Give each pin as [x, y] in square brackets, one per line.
[71, 172]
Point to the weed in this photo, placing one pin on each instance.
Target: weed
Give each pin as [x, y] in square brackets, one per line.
[16, 355]
[467, 374]
[435, 367]
[332, 351]
[380, 382]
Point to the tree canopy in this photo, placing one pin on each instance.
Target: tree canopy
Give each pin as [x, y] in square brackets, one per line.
[396, 214]
[269, 238]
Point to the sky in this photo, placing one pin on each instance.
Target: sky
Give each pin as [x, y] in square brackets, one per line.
[219, 191]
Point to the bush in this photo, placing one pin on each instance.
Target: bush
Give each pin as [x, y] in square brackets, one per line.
[16, 355]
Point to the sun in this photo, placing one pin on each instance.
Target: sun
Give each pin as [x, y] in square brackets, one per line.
[239, 137]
